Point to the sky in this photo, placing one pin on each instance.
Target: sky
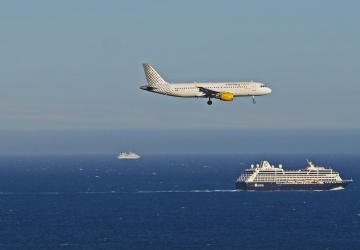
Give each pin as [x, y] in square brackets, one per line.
[70, 73]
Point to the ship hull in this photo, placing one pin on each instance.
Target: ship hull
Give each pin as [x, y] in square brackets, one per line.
[128, 157]
[273, 186]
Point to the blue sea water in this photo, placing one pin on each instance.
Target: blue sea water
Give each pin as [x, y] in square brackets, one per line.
[170, 202]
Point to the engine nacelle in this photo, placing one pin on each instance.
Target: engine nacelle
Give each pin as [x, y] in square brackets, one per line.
[226, 96]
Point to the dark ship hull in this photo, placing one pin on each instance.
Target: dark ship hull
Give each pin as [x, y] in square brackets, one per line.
[273, 186]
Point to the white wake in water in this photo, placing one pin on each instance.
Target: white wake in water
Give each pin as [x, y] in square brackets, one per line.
[192, 191]
[122, 192]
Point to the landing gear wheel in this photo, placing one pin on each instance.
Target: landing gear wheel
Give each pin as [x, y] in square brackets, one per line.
[253, 97]
[209, 102]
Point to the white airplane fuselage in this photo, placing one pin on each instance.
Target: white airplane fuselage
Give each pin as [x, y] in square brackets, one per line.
[192, 89]
[224, 91]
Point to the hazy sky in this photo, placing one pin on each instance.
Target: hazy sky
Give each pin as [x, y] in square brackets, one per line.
[77, 66]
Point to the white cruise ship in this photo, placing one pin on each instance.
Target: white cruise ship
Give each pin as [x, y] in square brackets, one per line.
[266, 177]
[130, 155]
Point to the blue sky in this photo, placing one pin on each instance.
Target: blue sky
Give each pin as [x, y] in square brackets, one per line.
[76, 66]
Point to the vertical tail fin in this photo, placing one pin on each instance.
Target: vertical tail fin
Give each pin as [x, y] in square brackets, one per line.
[152, 77]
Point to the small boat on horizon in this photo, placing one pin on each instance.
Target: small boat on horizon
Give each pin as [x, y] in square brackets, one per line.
[130, 155]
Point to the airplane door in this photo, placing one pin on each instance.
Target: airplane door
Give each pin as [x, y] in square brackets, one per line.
[253, 86]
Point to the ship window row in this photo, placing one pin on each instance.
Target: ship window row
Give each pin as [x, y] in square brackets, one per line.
[297, 171]
[285, 178]
[293, 177]
[299, 174]
[271, 171]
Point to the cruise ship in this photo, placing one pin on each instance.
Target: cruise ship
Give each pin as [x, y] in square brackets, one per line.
[265, 177]
[130, 155]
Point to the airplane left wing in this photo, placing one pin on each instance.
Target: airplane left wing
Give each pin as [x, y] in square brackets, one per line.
[208, 92]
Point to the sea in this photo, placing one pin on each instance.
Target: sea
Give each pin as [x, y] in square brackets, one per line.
[171, 202]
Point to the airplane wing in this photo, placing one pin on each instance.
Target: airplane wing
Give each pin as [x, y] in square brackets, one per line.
[208, 92]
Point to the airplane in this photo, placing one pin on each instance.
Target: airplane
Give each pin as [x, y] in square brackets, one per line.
[224, 91]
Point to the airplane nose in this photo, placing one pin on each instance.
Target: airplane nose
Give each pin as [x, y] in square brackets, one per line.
[269, 90]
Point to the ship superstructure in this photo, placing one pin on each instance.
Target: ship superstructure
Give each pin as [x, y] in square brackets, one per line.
[264, 176]
[130, 155]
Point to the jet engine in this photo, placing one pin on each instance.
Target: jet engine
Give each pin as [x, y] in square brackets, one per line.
[226, 96]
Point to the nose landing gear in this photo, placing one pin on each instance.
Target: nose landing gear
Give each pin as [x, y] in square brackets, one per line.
[253, 98]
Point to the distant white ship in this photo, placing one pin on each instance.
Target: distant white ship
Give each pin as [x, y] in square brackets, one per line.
[130, 155]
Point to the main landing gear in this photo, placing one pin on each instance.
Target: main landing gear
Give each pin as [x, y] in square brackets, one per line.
[209, 102]
[253, 97]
